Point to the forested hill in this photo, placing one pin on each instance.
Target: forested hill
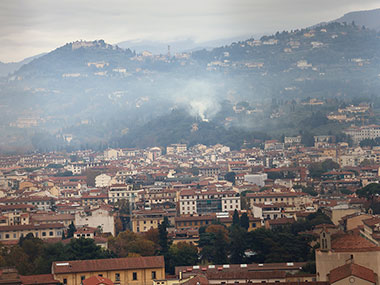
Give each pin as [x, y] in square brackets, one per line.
[93, 91]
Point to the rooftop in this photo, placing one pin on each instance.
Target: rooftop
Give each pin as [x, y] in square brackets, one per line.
[352, 269]
[61, 267]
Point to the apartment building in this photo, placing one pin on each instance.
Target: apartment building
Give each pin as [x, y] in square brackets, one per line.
[202, 202]
[43, 231]
[298, 201]
[361, 133]
[144, 220]
[118, 192]
[129, 270]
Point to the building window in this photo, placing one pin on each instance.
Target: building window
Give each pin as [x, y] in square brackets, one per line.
[117, 276]
[82, 278]
[64, 281]
[44, 234]
[134, 276]
[51, 234]
[100, 275]
[6, 235]
[153, 275]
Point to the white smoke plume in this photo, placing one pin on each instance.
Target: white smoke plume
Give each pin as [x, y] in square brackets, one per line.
[200, 98]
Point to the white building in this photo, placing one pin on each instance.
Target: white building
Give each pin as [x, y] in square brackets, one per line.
[258, 179]
[361, 133]
[112, 154]
[176, 148]
[102, 180]
[100, 217]
[122, 191]
[202, 202]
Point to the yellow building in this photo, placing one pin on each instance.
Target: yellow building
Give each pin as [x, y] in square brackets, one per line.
[43, 231]
[144, 220]
[129, 270]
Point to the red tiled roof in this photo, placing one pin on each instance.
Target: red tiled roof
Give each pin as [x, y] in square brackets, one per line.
[13, 207]
[107, 264]
[197, 280]
[96, 280]
[351, 242]
[281, 221]
[352, 269]
[31, 227]
[275, 194]
[244, 274]
[371, 222]
[39, 279]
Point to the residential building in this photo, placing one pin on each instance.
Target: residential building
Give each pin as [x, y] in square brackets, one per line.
[176, 148]
[43, 231]
[144, 220]
[118, 192]
[364, 132]
[202, 202]
[297, 200]
[102, 180]
[102, 217]
[123, 271]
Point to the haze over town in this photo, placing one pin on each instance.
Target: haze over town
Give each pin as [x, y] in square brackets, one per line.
[28, 28]
[190, 143]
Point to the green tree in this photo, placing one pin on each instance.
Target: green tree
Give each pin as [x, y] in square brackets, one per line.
[309, 190]
[51, 252]
[317, 169]
[237, 244]
[371, 192]
[235, 218]
[182, 254]
[127, 243]
[85, 248]
[214, 244]
[230, 176]
[244, 221]
[71, 230]
[164, 242]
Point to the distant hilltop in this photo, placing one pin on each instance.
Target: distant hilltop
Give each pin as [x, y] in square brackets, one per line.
[88, 44]
[368, 18]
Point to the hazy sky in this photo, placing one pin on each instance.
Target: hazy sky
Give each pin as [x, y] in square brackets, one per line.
[30, 27]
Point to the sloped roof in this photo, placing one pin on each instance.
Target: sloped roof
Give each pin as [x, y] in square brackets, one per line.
[60, 267]
[197, 280]
[352, 269]
[353, 242]
[39, 279]
[96, 280]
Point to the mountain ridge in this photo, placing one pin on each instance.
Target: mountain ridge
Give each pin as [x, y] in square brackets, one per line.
[96, 92]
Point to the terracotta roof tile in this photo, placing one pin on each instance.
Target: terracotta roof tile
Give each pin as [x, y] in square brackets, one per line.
[39, 279]
[197, 280]
[352, 269]
[107, 264]
[372, 221]
[96, 280]
[352, 242]
[243, 274]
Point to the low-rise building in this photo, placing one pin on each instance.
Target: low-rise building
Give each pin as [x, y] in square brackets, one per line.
[102, 217]
[129, 270]
[202, 202]
[43, 231]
